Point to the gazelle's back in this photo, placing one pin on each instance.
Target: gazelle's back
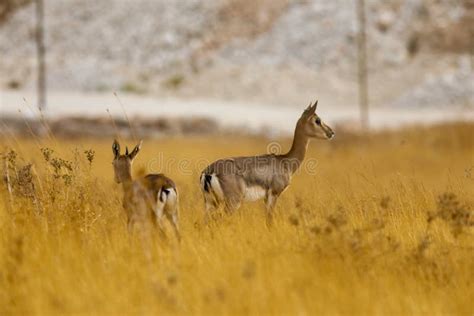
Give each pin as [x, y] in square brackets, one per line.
[157, 181]
[245, 178]
[257, 170]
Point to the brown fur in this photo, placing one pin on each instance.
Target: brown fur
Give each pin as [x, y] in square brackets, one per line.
[147, 198]
[266, 176]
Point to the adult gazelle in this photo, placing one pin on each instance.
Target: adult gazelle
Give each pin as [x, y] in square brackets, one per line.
[231, 181]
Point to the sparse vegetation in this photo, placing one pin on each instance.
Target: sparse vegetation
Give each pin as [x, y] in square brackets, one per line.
[13, 84]
[174, 82]
[384, 227]
[132, 87]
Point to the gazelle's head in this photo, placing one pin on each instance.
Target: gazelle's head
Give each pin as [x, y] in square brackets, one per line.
[123, 163]
[311, 125]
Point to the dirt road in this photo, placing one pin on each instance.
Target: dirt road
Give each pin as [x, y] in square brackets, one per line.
[253, 117]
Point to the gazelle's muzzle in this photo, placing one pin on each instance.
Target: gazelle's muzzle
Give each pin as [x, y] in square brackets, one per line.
[329, 132]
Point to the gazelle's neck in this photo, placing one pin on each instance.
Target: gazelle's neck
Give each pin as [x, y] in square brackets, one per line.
[298, 150]
[127, 184]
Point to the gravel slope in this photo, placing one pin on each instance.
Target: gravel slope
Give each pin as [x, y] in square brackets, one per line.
[162, 47]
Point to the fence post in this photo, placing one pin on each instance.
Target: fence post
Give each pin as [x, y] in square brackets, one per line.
[362, 65]
[41, 52]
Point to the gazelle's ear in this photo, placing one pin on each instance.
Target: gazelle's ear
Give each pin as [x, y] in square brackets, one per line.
[135, 150]
[310, 110]
[315, 106]
[116, 149]
[307, 111]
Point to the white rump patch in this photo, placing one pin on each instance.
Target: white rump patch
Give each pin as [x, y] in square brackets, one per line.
[254, 193]
[216, 187]
[164, 200]
[172, 198]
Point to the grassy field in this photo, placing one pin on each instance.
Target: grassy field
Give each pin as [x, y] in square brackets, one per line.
[384, 226]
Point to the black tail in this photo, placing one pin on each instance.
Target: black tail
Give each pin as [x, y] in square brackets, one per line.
[207, 182]
[164, 192]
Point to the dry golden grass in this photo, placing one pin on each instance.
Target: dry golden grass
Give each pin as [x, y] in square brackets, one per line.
[384, 227]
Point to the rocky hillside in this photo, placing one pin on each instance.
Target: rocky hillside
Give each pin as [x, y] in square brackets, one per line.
[8, 7]
[274, 51]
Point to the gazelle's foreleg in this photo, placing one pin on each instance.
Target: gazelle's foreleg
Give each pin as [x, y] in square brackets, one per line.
[131, 216]
[130, 224]
[270, 202]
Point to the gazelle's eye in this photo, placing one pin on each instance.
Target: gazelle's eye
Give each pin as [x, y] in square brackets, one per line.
[318, 121]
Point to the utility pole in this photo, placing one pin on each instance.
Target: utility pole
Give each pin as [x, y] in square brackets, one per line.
[362, 65]
[40, 54]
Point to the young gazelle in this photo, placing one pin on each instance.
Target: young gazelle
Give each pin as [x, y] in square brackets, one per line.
[231, 181]
[152, 196]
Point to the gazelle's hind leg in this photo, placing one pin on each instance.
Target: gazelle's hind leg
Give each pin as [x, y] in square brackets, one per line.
[173, 219]
[159, 210]
[232, 205]
[212, 193]
[172, 210]
[210, 204]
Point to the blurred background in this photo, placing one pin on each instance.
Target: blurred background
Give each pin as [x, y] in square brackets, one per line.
[246, 66]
